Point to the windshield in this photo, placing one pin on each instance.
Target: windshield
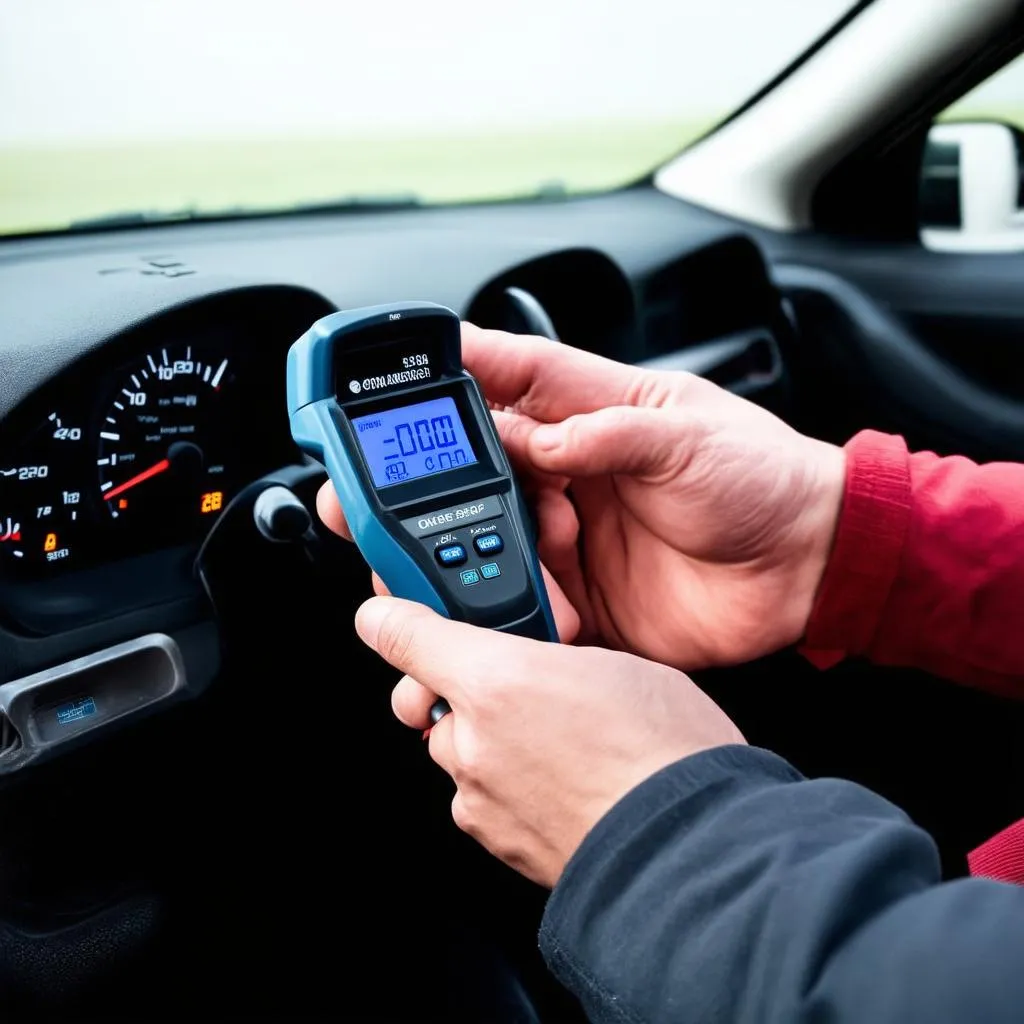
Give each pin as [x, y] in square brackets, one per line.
[131, 112]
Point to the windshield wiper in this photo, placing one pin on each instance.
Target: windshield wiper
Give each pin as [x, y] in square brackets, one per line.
[344, 204]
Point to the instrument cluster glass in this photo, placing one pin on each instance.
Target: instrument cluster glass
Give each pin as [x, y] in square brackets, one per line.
[144, 456]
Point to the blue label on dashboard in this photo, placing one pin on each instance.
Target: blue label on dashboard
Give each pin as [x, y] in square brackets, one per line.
[75, 712]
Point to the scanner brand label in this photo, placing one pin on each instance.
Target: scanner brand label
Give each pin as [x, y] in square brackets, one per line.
[389, 380]
[443, 519]
[447, 518]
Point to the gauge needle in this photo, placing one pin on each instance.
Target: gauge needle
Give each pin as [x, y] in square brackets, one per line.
[139, 478]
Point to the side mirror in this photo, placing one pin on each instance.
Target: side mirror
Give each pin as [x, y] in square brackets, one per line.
[971, 188]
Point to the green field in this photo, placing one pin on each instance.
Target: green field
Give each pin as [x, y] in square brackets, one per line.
[47, 188]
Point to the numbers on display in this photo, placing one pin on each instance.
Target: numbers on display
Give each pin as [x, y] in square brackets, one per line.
[423, 436]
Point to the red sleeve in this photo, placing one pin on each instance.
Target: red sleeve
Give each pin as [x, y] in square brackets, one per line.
[927, 570]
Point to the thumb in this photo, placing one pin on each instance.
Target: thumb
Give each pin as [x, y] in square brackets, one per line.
[446, 657]
[620, 439]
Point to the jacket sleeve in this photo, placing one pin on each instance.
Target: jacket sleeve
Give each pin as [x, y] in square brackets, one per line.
[728, 888]
[927, 568]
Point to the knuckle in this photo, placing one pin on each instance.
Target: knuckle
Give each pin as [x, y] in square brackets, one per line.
[463, 816]
[658, 389]
[507, 852]
[468, 760]
[489, 704]
[396, 640]
[516, 429]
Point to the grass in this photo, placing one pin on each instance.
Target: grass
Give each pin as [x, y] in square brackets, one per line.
[50, 187]
[45, 188]
[969, 110]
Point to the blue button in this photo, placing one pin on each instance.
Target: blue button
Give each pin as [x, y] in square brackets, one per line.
[450, 554]
[489, 544]
[490, 570]
[469, 577]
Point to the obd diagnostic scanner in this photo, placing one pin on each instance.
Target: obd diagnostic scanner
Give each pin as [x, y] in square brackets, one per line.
[379, 396]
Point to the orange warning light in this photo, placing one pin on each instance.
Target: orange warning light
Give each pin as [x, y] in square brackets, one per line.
[122, 503]
[50, 544]
[211, 502]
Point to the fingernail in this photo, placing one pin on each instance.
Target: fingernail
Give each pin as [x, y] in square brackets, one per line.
[369, 618]
[547, 437]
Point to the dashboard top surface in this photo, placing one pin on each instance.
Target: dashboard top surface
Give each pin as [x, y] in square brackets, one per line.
[62, 296]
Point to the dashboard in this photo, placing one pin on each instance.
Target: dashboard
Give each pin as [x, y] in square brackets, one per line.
[136, 450]
[142, 394]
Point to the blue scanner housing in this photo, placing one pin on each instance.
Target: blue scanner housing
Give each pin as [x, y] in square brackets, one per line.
[379, 396]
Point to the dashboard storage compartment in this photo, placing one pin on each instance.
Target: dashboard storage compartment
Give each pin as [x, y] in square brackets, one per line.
[50, 710]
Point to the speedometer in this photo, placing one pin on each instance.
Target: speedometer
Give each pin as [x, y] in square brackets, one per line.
[41, 497]
[167, 442]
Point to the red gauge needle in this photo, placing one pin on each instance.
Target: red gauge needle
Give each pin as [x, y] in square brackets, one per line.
[146, 474]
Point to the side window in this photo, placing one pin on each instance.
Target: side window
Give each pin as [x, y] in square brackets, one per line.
[972, 174]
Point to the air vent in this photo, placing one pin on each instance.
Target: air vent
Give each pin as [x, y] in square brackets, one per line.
[10, 741]
[579, 293]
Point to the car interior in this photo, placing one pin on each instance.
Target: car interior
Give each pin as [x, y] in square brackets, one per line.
[207, 808]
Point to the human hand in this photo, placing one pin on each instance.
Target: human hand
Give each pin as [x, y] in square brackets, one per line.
[682, 523]
[542, 739]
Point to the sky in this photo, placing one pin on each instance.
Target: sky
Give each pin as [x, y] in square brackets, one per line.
[116, 70]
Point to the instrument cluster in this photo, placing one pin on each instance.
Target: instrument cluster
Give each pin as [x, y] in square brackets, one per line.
[141, 445]
[148, 462]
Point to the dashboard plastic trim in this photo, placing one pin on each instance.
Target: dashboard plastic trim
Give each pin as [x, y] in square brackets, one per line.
[156, 680]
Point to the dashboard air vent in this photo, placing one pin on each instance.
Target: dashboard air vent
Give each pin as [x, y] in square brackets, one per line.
[577, 295]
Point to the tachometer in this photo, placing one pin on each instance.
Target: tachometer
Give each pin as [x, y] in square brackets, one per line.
[41, 497]
[167, 441]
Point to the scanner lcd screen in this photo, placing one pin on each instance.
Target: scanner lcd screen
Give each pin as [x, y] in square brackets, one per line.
[411, 441]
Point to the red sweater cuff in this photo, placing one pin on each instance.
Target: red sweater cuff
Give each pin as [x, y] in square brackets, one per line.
[866, 554]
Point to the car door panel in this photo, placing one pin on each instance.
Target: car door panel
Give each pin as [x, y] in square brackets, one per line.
[885, 374]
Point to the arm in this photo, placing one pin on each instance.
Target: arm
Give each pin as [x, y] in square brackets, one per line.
[927, 569]
[726, 888]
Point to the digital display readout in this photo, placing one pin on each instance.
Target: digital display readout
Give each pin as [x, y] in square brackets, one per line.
[412, 441]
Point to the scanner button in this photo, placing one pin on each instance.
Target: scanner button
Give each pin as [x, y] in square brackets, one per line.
[490, 570]
[450, 554]
[489, 544]
[469, 577]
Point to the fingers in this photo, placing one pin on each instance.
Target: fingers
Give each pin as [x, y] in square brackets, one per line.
[545, 379]
[567, 620]
[329, 510]
[622, 439]
[559, 551]
[514, 430]
[333, 518]
[411, 702]
[443, 655]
